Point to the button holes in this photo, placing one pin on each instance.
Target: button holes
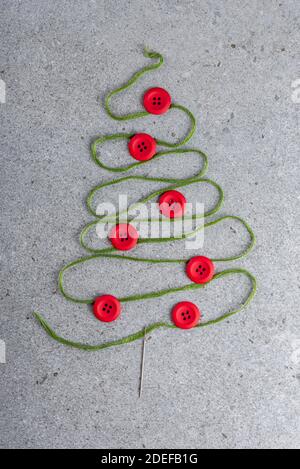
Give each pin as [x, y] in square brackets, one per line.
[139, 146]
[189, 317]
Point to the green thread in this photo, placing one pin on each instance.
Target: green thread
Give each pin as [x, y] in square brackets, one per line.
[132, 81]
[139, 114]
[106, 138]
[182, 183]
[176, 183]
[147, 330]
[141, 297]
[109, 250]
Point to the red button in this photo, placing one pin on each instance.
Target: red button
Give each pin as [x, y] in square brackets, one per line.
[200, 269]
[142, 147]
[107, 308]
[124, 237]
[157, 101]
[172, 204]
[186, 315]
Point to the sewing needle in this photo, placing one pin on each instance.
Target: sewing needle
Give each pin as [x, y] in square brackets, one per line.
[142, 365]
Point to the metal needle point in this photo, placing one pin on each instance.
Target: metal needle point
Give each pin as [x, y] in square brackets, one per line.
[142, 365]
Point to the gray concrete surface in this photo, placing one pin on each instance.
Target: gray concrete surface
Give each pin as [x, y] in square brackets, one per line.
[232, 63]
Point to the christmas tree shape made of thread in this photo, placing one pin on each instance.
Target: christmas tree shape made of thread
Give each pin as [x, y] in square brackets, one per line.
[171, 203]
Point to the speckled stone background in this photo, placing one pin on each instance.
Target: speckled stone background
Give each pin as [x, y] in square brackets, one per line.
[233, 64]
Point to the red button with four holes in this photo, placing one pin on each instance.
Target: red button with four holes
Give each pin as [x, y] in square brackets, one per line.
[157, 101]
[124, 237]
[200, 269]
[107, 308]
[172, 204]
[142, 147]
[186, 315]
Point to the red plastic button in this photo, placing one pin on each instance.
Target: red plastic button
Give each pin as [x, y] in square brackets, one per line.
[142, 147]
[157, 101]
[107, 308]
[200, 269]
[172, 204]
[124, 237]
[186, 315]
